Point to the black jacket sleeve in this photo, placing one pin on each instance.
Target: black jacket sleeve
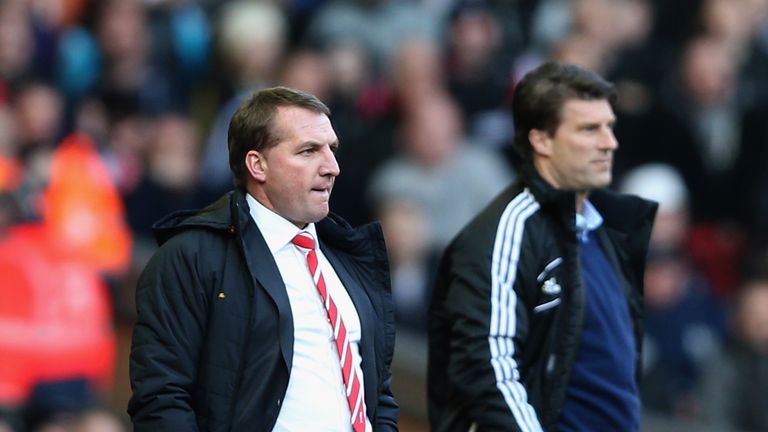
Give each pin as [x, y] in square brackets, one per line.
[171, 309]
[388, 410]
[486, 321]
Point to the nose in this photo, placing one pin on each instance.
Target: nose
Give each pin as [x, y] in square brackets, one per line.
[609, 141]
[329, 167]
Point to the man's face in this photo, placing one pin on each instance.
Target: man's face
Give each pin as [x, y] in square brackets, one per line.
[579, 156]
[753, 315]
[298, 173]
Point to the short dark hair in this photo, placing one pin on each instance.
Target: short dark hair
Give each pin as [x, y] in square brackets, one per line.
[539, 98]
[251, 126]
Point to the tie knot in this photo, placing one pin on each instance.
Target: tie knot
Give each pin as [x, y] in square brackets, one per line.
[304, 240]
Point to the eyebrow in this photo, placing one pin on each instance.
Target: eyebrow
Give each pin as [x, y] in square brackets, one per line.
[591, 123]
[314, 144]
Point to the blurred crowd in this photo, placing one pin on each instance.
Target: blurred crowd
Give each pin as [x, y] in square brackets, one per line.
[114, 113]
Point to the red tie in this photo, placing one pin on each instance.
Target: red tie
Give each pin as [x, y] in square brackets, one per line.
[352, 378]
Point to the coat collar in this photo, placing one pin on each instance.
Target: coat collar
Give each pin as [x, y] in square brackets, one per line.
[625, 213]
[229, 214]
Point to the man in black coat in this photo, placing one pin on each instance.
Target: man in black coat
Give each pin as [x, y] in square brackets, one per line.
[263, 311]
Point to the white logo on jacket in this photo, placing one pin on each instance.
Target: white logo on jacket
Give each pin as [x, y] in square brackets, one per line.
[551, 287]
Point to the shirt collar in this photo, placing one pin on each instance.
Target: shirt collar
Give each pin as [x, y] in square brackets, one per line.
[276, 230]
[587, 221]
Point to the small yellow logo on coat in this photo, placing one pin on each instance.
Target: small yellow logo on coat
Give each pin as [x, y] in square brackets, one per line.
[222, 295]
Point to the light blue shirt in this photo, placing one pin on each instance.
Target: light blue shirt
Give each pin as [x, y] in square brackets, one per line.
[587, 221]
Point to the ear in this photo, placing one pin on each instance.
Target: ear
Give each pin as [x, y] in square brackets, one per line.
[541, 142]
[256, 166]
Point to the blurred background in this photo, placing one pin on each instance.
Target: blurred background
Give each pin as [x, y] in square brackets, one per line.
[114, 113]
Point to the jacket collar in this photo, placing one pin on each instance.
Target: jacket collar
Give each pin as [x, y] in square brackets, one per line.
[230, 214]
[559, 203]
[622, 212]
[544, 192]
[217, 216]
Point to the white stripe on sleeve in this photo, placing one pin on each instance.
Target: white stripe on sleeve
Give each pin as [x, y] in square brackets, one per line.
[506, 254]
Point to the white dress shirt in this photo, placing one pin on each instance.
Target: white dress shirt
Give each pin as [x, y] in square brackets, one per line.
[315, 399]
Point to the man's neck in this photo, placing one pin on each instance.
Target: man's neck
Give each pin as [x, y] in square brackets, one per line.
[548, 177]
[580, 198]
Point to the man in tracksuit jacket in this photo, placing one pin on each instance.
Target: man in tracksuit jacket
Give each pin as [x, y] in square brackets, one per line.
[535, 322]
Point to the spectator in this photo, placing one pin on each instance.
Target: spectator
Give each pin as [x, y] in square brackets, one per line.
[252, 42]
[735, 396]
[702, 100]
[128, 75]
[434, 162]
[684, 322]
[479, 71]
[16, 44]
[364, 116]
[171, 180]
[381, 26]
[98, 420]
[411, 261]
